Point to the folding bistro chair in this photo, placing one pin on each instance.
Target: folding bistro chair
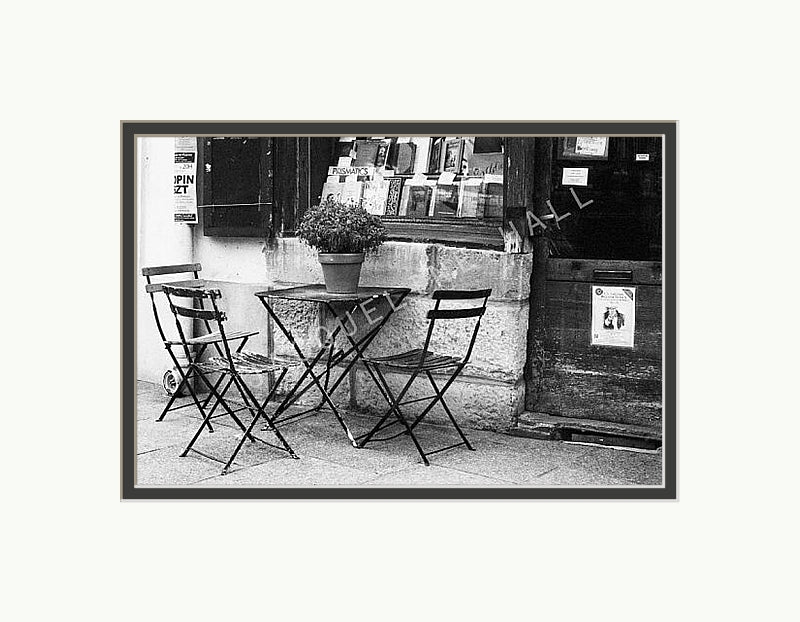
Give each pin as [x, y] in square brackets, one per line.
[200, 343]
[423, 362]
[232, 364]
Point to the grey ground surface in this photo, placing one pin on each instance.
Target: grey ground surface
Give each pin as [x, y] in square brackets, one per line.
[327, 459]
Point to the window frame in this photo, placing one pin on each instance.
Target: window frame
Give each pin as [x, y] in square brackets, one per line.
[298, 171]
[207, 205]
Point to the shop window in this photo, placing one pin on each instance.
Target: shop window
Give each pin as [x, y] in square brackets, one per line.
[439, 188]
[237, 186]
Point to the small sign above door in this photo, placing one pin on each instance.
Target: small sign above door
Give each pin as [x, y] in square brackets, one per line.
[575, 177]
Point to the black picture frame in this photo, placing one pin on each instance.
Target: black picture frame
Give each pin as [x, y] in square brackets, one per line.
[130, 131]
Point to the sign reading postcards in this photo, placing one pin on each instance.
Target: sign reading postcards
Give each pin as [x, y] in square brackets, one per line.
[184, 180]
[613, 316]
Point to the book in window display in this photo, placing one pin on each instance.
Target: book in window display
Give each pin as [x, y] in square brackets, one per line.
[423, 144]
[469, 196]
[366, 152]
[452, 155]
[446, 201]
[375, 196]
[332, 189]
[490, 200]
[434, 162]
[468, 147]
[352, 191]
[394, 195]
[382, 155]
[406, 156]
[416, 201]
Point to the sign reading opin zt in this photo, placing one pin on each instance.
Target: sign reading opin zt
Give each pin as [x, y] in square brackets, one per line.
[613, 316]
[184, 184]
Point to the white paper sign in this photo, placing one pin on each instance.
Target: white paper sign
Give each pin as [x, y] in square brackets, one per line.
[642, 157]
[591, 145]
[575, 177]
[613, 316]
[447, 178]
[184, 178]
[359, 171]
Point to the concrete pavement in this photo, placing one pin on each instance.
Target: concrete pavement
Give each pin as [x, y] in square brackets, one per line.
[328, 460]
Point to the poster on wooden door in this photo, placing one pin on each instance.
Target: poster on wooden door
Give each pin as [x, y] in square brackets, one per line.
[613, 316]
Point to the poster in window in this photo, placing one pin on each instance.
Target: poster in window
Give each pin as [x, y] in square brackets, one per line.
[583, 148]
[613, 316]
[591, 146]
[184, 189]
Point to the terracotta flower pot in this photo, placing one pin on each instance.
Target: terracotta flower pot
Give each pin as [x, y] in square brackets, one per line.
[341, 271]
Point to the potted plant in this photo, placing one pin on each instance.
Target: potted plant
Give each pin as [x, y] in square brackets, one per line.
[342, 233]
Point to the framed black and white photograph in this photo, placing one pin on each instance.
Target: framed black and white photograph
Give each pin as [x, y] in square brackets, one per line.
[291, 344]
[241, 351]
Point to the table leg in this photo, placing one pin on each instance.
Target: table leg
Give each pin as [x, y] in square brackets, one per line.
[309, 372]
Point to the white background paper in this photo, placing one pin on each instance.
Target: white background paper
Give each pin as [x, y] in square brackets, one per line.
[184, 195]
[591, 145]
[725, 551]
[617, 328]
[575, 176]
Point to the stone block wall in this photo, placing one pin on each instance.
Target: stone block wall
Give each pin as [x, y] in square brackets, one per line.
[490, 392]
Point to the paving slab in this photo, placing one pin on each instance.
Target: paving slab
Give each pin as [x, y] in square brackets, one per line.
[520, 463]
[635, 467]
[164, 467]
[289, 473]
[434, 477]
[322, 437]
[569, 476]
[152, 434]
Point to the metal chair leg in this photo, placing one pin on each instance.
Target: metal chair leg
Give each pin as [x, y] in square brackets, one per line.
[243, 388]
[389, 397]
[440, 395]
[395, 409]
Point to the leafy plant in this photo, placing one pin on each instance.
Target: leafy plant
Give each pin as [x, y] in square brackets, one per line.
[336, 227]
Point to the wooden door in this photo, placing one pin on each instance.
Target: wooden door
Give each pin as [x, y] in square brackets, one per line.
[612, 242]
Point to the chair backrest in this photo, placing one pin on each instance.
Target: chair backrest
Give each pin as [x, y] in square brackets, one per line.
[478, 296]
[160, 271]
[196, 295]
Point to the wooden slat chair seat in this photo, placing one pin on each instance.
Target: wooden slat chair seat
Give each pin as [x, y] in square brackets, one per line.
[232, 365]
[416, 358]
[245, 363]
[423, 361]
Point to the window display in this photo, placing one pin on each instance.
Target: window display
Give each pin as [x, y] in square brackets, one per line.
[420, 177]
